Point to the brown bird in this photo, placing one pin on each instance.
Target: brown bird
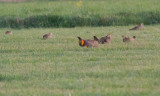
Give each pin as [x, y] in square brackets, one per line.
[46, 36]
[128, 39]
[138, 27]
[87, 43]
[103, 40]
[8, 32]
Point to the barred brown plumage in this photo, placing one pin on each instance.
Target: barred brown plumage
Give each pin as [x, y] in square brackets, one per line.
[87, 43]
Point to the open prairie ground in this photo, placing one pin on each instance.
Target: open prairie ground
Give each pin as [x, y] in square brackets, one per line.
[59, 66]
[31, 66]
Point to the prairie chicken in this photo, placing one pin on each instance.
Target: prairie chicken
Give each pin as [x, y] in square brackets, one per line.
[87, 43]
[128, 39]
[46, 36]
[8, 32]
[138, 27]
[103, 40]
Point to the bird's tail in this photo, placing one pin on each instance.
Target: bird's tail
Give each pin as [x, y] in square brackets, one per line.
[79, 38]
[134, 37]
[95, 38]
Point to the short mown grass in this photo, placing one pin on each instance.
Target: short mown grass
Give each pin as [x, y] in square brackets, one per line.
[60, 67]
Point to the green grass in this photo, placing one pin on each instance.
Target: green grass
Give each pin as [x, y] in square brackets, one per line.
[59, 66]
[67, 14]
[69, 8]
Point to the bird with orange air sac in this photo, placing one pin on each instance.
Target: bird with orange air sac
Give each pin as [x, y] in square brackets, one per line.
[87, 43]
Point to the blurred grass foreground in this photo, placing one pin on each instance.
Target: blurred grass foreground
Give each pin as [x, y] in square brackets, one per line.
[70, 13]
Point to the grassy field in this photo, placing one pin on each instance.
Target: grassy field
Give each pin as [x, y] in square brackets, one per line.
[68, 14]
[69, 8]
[58, 66]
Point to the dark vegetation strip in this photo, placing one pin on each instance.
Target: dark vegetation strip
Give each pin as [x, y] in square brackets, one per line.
[45, 21]
[10, 78]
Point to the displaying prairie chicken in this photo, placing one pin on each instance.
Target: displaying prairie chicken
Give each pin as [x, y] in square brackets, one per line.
[8, 32]
[103, 40]
[46, 36]
[138, 27]
[87, 43]
[128, 39]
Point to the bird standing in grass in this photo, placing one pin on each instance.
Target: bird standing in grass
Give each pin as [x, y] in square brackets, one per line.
[87, 43]
[47, 36]
[8, 32]
[128, 39]
[103, 40]
[138, 27]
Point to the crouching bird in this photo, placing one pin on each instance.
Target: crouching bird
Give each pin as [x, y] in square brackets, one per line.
[46, 36]
[87, 43]
[103, 40]
[138, 27]
[128, 39]
[8, 32]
